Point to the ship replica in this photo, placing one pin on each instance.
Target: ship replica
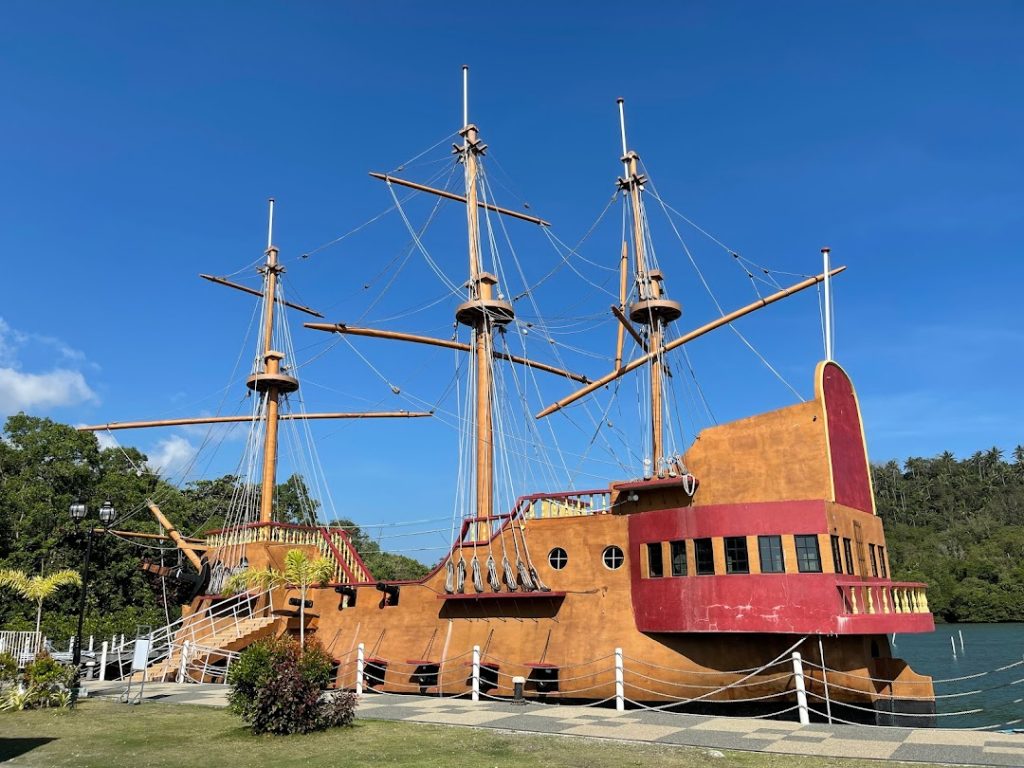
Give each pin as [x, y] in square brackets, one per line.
[704, 572]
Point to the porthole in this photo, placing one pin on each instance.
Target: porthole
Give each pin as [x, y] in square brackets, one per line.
[557, 558]
[613, 558]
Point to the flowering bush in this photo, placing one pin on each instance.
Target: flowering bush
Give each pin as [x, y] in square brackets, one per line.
[278, 687]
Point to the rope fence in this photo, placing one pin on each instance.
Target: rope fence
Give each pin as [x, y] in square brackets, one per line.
[798, 685]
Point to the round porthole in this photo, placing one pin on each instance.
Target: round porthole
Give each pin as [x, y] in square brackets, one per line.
[557, 558]
[613, 558]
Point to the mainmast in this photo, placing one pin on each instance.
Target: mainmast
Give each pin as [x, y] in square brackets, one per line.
[651, 308]
[270, 383]
[482, 312]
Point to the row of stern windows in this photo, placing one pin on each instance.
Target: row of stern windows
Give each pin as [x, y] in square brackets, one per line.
[775, 554]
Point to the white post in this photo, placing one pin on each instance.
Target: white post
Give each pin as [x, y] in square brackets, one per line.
[824, 680]
[465, 95]
[476, 673]
[183, 665]
[360, 668]
[961, 633]
[270, 224]
[121, 648]
[71, 644]
[90, 643]
[952, 642]
[620, 686]
[103, 660]
[828, 303]
[801, 692]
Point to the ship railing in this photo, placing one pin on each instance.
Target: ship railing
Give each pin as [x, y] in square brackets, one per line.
[540, 506]
[332, 543]
[859, 598]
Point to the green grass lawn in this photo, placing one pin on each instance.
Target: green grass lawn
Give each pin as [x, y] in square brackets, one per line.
[109, 735]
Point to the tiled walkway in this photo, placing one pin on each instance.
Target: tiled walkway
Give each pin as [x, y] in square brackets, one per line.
[927, 745]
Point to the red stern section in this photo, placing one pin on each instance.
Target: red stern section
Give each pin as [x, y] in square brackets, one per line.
[850, 476]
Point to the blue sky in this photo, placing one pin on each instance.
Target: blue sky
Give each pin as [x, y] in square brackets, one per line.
[140, 142]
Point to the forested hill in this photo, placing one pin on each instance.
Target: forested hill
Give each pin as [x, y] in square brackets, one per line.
[958, 525]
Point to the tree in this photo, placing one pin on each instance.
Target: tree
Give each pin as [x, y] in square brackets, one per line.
[300, 571]
[38, 588]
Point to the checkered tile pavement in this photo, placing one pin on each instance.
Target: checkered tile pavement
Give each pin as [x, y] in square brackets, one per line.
[926, 745]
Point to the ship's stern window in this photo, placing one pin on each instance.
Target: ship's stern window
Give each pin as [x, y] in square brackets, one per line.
[848, 551]
[881, 562]
[612, 558]
[808, 558]
[736, 558]
[655, 565]
[678, 553]
[874, 560]
[770, 549]
[704, 557]
[837, 559]
[557, 558]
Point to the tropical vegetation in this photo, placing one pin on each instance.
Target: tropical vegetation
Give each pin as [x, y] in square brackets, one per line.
[38, 588]
[301, 572]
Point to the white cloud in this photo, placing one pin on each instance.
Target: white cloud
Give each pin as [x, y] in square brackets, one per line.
[171, 456]
[20, 391]
[28, 391]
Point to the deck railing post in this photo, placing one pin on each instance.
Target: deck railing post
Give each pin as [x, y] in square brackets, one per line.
[103, 660]
[183, 664]
[476, 673]
[801, 691]
[620, 686]
[360, 666]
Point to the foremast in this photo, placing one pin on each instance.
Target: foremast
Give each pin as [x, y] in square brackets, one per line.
[270, 383]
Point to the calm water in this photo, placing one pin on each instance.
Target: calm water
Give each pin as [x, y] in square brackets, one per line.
[985, 648]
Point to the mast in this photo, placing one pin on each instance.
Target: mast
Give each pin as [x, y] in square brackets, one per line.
[650, 309]
[270, 382]
[481, 313]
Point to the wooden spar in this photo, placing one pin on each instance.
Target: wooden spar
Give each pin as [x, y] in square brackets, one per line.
[176, 537]
[272, 367]
[254, 292]
[625, 325]
[480, 288]
[235, 419]
[374, 333]
[452, 196]
[724, 320]
[142, 535]
[623, 277]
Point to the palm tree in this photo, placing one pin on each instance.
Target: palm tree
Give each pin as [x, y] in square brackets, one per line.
[300, 571]
[38, 588]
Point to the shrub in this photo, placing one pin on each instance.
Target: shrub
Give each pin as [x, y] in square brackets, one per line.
[8, 669]
[45, 683]
[278, 688]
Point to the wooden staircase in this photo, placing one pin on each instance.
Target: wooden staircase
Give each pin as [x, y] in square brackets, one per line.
[209, 650]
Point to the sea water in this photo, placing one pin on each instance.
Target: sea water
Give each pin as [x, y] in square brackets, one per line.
[986, 647]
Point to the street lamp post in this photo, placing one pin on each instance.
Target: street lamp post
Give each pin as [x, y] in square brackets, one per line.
[79, 512]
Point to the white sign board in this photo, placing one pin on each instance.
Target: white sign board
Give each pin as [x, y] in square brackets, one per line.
[141, 658]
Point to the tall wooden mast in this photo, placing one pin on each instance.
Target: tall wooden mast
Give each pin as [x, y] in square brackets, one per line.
[482, 312]
[651, 308]
[270, 383]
